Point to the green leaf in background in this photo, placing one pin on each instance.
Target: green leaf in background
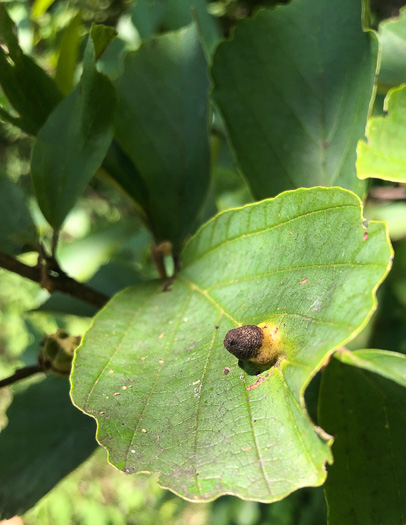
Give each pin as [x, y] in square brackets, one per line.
[83, 257]
[391, 365]
[72, 144]
[16, 224]
[122, 173]
[151, 17]
[398, 284]
[40, 7]
[383, 156]
[293, 86]
[102, 37]
[162, 126]
[303, 507]
[28, 88]
[392, 40]
[393, 213]
[111, 278]
[68, 54]
[366, 414]
[169, 398]
[45, 439]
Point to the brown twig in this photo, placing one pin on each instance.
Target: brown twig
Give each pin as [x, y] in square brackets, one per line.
[387, 193]
[21, 373]
[158, 253]
[48, 274]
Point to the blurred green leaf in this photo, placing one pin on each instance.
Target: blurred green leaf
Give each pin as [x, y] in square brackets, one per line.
[293, 86]
[68, 55]
[102, 37]
[392, 40]
[16, 225]
[397, 284]
[366, 413]
[73, 143]
[146, 15]
[111, 278]
[29, 89]
[393, 213]
[229, 187]
[112, 60]
[60, 303]
[151, 17]
[39, 7]
[162, 126]
[383, 156]
[83, 257]
[8, 34]
[388, 364]
[152, 367]
[303, 507]
[388, 325]
[46, 438]
[123, 172]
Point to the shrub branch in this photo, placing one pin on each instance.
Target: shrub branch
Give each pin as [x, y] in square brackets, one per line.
[49, 275]
[21, 373]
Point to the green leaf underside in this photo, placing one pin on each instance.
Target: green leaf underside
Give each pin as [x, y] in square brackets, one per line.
[70, 147]
[151, 369]
[391, 365]
[299, 125]
[45, 439]
[162, 125]
[366, 414]
[384, 156]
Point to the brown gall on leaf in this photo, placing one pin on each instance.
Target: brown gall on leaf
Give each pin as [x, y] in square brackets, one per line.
[258, 344]
[244, 341]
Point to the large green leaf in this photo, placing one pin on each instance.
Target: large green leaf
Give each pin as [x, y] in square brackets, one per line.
[366, 414]
[29, 89]
[383, 156]
[16, 224]
[73, 142]
[294, 86]
[162, 120]
[46, 438]
[392, 40]
[169, 398]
